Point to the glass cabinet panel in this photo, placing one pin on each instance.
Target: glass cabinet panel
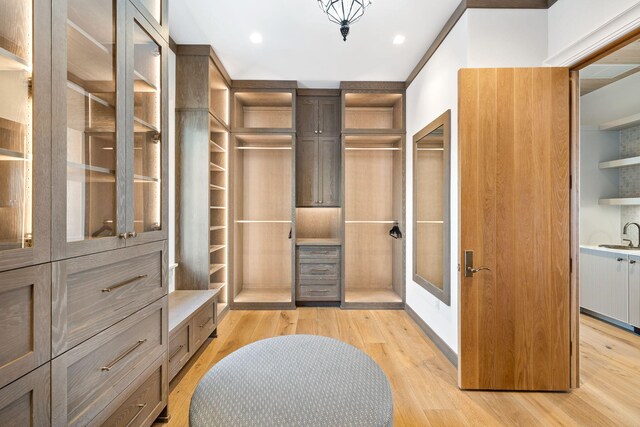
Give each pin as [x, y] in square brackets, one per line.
[16, 150]
[92, 145]
[154, 7]
[147, 150]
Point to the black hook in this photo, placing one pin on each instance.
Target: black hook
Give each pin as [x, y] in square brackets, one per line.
[395, 232]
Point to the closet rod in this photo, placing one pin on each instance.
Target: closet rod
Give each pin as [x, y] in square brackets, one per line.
[371, 222]
[263, 148]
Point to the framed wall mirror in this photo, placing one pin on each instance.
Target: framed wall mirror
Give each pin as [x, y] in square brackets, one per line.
[431, 207]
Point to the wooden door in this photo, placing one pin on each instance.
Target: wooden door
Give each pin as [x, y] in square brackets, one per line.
[307, 116]
[307, 172]
[329, 116]
[515, 216]
[329, 153]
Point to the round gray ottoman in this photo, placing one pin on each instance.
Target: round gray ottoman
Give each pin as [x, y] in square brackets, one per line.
[297, 380]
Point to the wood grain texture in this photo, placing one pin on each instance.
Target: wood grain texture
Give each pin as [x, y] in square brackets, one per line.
[423, 381]
[514, 154]
[25, 316]
[575, 227]
[26, 402]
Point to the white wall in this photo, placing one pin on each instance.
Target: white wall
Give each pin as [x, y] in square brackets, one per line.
[615, 101]
[580, 27]
[482, 38]
[598, 224]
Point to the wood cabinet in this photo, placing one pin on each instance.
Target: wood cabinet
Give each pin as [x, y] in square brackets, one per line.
[634, 291]
[26, 402]
[318, 274]
[318, 155]
[25, 316]
[25, 129]
[109, 128]
[604, 283]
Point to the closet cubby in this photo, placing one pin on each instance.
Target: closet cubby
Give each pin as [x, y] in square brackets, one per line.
[263, 212]
[263, 111]
[318, 226]
[373, 205]
[203, 154]
[373, 112]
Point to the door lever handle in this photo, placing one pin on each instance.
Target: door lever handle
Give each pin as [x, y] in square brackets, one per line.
[469, 269]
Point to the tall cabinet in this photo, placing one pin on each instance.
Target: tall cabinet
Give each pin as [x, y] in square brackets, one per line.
[85, 209]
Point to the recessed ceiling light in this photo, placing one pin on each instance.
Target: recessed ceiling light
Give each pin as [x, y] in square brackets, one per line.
[256, 38]
[399, 39]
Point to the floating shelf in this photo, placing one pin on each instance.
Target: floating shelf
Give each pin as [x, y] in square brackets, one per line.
[12, 62]
[624, 123]
[9, 155]
[625, 201]
[619, 163]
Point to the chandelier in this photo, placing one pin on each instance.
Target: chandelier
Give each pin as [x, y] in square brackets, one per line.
[344, 12]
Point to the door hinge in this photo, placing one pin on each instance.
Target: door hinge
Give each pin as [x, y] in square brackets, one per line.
[570, 265]
[570, 182]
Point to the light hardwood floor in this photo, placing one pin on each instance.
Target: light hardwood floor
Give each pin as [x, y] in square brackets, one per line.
[424, 383]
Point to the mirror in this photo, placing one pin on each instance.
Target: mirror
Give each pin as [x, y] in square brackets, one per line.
[431, 219]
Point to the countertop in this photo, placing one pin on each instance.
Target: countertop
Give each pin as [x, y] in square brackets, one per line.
[612, 251]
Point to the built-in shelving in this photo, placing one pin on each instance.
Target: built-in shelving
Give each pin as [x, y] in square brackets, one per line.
[381, 113]
[620, 163]
[623, 123]
[263, 111]
[12, 62]
[10, 155]
[622, 201]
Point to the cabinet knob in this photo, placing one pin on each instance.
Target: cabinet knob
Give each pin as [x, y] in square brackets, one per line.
[132, 235]
[122, 235]
[632, 261]
[320, 131]
[315, 131]
[620, 259]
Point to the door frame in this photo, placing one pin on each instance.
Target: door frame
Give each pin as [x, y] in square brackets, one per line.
[574, 70]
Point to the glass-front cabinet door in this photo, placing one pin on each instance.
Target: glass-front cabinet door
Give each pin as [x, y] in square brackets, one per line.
[89, 144]
[25, 37]
[147, 87]
[155, 12]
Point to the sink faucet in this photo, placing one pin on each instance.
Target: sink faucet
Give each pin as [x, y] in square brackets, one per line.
[626, 228]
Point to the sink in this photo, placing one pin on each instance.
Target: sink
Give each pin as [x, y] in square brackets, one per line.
[621, 247]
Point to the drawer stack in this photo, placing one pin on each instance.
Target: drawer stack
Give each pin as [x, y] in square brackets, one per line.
[318, 274]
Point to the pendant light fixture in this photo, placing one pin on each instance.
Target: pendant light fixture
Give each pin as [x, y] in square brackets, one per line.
[344, 12]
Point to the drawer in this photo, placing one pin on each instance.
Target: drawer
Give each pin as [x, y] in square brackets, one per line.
[179, 350]
[94, 292]
[25, 402]
[142, 406]
[327, 271]
[203, 324]
[88, 377]
[319, 252]
[319, 292]
[25, 316]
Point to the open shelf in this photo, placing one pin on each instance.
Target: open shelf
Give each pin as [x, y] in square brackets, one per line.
[215, 267]
[182, 304]
[268, 221]
[264, 295]
[215, 248]
[623, 123]
[215, 148]
[216, 168]
[218, 95]
[619, 163]
[319, 242]
[262, 111]
[10, 155]
[141, 179]
[623, 201]
[263, 141]
[217, 227]
[12, 62]
[371, 295]
[217, 188]
[373, 112]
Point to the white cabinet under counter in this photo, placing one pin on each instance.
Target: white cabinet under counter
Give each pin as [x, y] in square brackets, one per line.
[610, 283]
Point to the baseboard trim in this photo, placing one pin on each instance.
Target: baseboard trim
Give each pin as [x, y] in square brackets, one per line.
[439, 342]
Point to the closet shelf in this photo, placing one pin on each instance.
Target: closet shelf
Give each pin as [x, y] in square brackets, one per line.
[216, 267]
[142, 126]
[429, 222]
[264, 295]
[619, 163]
[145, 179]
[216, 123]
[623, 123]
[377, 132]
[91, 168]
[250, 221]
[9, 155]
[214, 286]
[266, 147]
[215, 168]
[372, 149]
[217, 227]
[215, 148]
[217, 187]
[218, 207]
[371, 222]
[215, 248]
[12, 62]
[624, 201]
[143, 83]
[318, 242]
[371, 295]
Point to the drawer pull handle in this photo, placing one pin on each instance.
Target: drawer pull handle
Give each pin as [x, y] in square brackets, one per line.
[319, 270]
[123, 355]
[125, 283]
[141, 407]
[320, 253]
[318, 292]
[632, 261]
[176, 352]
[206, 321]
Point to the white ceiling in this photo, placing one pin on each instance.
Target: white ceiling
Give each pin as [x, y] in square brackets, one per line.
[299, 42]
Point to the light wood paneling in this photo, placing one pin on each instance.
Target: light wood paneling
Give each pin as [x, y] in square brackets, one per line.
[369, 256]
[423, 381]
[314, 223]
[514, 154]
[366, 171]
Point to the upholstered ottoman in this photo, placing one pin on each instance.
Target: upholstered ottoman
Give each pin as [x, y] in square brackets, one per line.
[297, 380]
